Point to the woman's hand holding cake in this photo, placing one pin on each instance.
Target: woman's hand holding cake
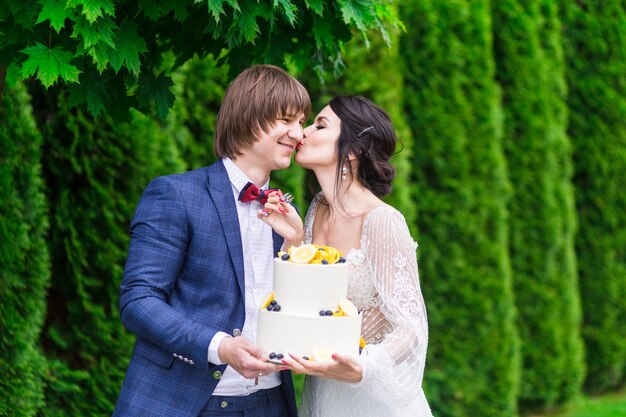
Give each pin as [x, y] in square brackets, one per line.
[340, 367]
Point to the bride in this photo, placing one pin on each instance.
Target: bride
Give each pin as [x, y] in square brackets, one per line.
[348, 147]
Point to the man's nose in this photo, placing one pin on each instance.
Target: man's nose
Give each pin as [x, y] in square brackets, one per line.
[306, 130]
[296, 131]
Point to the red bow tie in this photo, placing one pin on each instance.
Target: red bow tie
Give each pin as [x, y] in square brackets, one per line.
[251, 192]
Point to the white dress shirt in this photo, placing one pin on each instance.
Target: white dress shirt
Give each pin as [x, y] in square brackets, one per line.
[258, 255]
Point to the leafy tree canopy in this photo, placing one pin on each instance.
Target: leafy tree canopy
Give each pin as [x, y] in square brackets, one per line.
[116, 54]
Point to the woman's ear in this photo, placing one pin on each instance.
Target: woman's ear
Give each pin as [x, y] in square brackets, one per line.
[351, 157]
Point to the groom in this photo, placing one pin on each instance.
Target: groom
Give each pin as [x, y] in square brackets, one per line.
[200, 262]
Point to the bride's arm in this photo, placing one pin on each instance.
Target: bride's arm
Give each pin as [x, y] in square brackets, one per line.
[393, 369]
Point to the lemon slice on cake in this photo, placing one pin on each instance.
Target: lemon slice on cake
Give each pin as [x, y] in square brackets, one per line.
[267, 300]
[303, 254]
[322, 354]
[348, 308]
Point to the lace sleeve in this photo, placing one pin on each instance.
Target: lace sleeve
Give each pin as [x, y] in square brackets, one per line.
[393, 369]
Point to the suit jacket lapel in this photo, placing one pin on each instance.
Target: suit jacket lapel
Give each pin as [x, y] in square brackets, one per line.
[221, 193]
[278, 241]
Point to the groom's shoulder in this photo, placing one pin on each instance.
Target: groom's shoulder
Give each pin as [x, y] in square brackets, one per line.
[187, 182]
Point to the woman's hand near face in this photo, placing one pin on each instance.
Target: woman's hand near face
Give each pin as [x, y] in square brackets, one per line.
[284, 219]
[342, 368]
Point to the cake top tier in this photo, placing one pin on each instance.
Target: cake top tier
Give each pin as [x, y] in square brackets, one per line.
[305, 289]
[312, 254]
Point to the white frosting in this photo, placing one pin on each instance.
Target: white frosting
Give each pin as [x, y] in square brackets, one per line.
[283, 333]
[302, 291]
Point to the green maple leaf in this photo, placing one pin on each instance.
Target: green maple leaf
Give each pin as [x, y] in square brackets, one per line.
[93, 9]
[357, 11]
[180, 11]
[323, 32]
[245, 24]
[102, 31]
[56, 13]
[156, 91]
[216, 8]
[316, 5]
[92, 92]
[101, 56]
[49, 64]
[129, 46]
[289, 8]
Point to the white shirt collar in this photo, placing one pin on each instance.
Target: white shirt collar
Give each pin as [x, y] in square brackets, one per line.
[237, 177]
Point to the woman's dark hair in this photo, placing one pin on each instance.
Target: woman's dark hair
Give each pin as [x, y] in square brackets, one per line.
[367, 133]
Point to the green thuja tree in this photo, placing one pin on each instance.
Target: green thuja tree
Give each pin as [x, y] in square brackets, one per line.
[530, 69]
[595, 51]
[362, 76]
[95, 172]
[461, 189]
[199, 87]
[24, 267]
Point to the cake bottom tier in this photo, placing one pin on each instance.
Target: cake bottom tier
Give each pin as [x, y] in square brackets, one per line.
[284, 333]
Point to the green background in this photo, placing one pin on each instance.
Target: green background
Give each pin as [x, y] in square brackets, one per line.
[511, 173]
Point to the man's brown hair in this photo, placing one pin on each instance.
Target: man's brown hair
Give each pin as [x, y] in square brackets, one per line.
[255, 100]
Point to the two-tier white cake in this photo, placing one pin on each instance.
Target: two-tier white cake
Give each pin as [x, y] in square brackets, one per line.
[304, 292]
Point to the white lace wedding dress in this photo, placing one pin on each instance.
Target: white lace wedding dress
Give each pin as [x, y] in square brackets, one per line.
[384, 285]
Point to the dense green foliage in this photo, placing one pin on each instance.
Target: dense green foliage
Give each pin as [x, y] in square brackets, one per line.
[461, 194]
[24, 268]
[111, 53]
[199, 86]
[500, 107]
[529, 61]
[595, 39]
[93, 190]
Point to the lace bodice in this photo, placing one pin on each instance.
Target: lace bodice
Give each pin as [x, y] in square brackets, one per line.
[384, 285]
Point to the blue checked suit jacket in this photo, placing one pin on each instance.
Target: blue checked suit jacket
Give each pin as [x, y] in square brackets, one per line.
[183, 282]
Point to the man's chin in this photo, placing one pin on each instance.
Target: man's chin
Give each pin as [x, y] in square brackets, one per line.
[283, 164]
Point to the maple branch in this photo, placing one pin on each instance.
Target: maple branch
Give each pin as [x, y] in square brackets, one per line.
[3, 79]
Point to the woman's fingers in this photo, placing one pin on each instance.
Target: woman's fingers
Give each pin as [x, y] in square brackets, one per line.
[293, 364]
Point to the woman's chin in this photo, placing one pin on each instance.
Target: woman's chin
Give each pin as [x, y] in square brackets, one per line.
[301, 164]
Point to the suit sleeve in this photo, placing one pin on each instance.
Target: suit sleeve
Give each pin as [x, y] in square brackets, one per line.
[157, 251]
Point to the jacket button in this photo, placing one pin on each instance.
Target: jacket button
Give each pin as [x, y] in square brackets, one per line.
[217, 375]
[224, 404]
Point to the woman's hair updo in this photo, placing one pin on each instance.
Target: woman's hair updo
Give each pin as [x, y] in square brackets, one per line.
[367, 133]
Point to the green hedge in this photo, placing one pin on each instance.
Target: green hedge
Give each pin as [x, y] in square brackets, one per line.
[595, 49]
[96, 171]
[24, 262]
[362, 76]
[461, 189]
[199, 87]
[530, 69]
